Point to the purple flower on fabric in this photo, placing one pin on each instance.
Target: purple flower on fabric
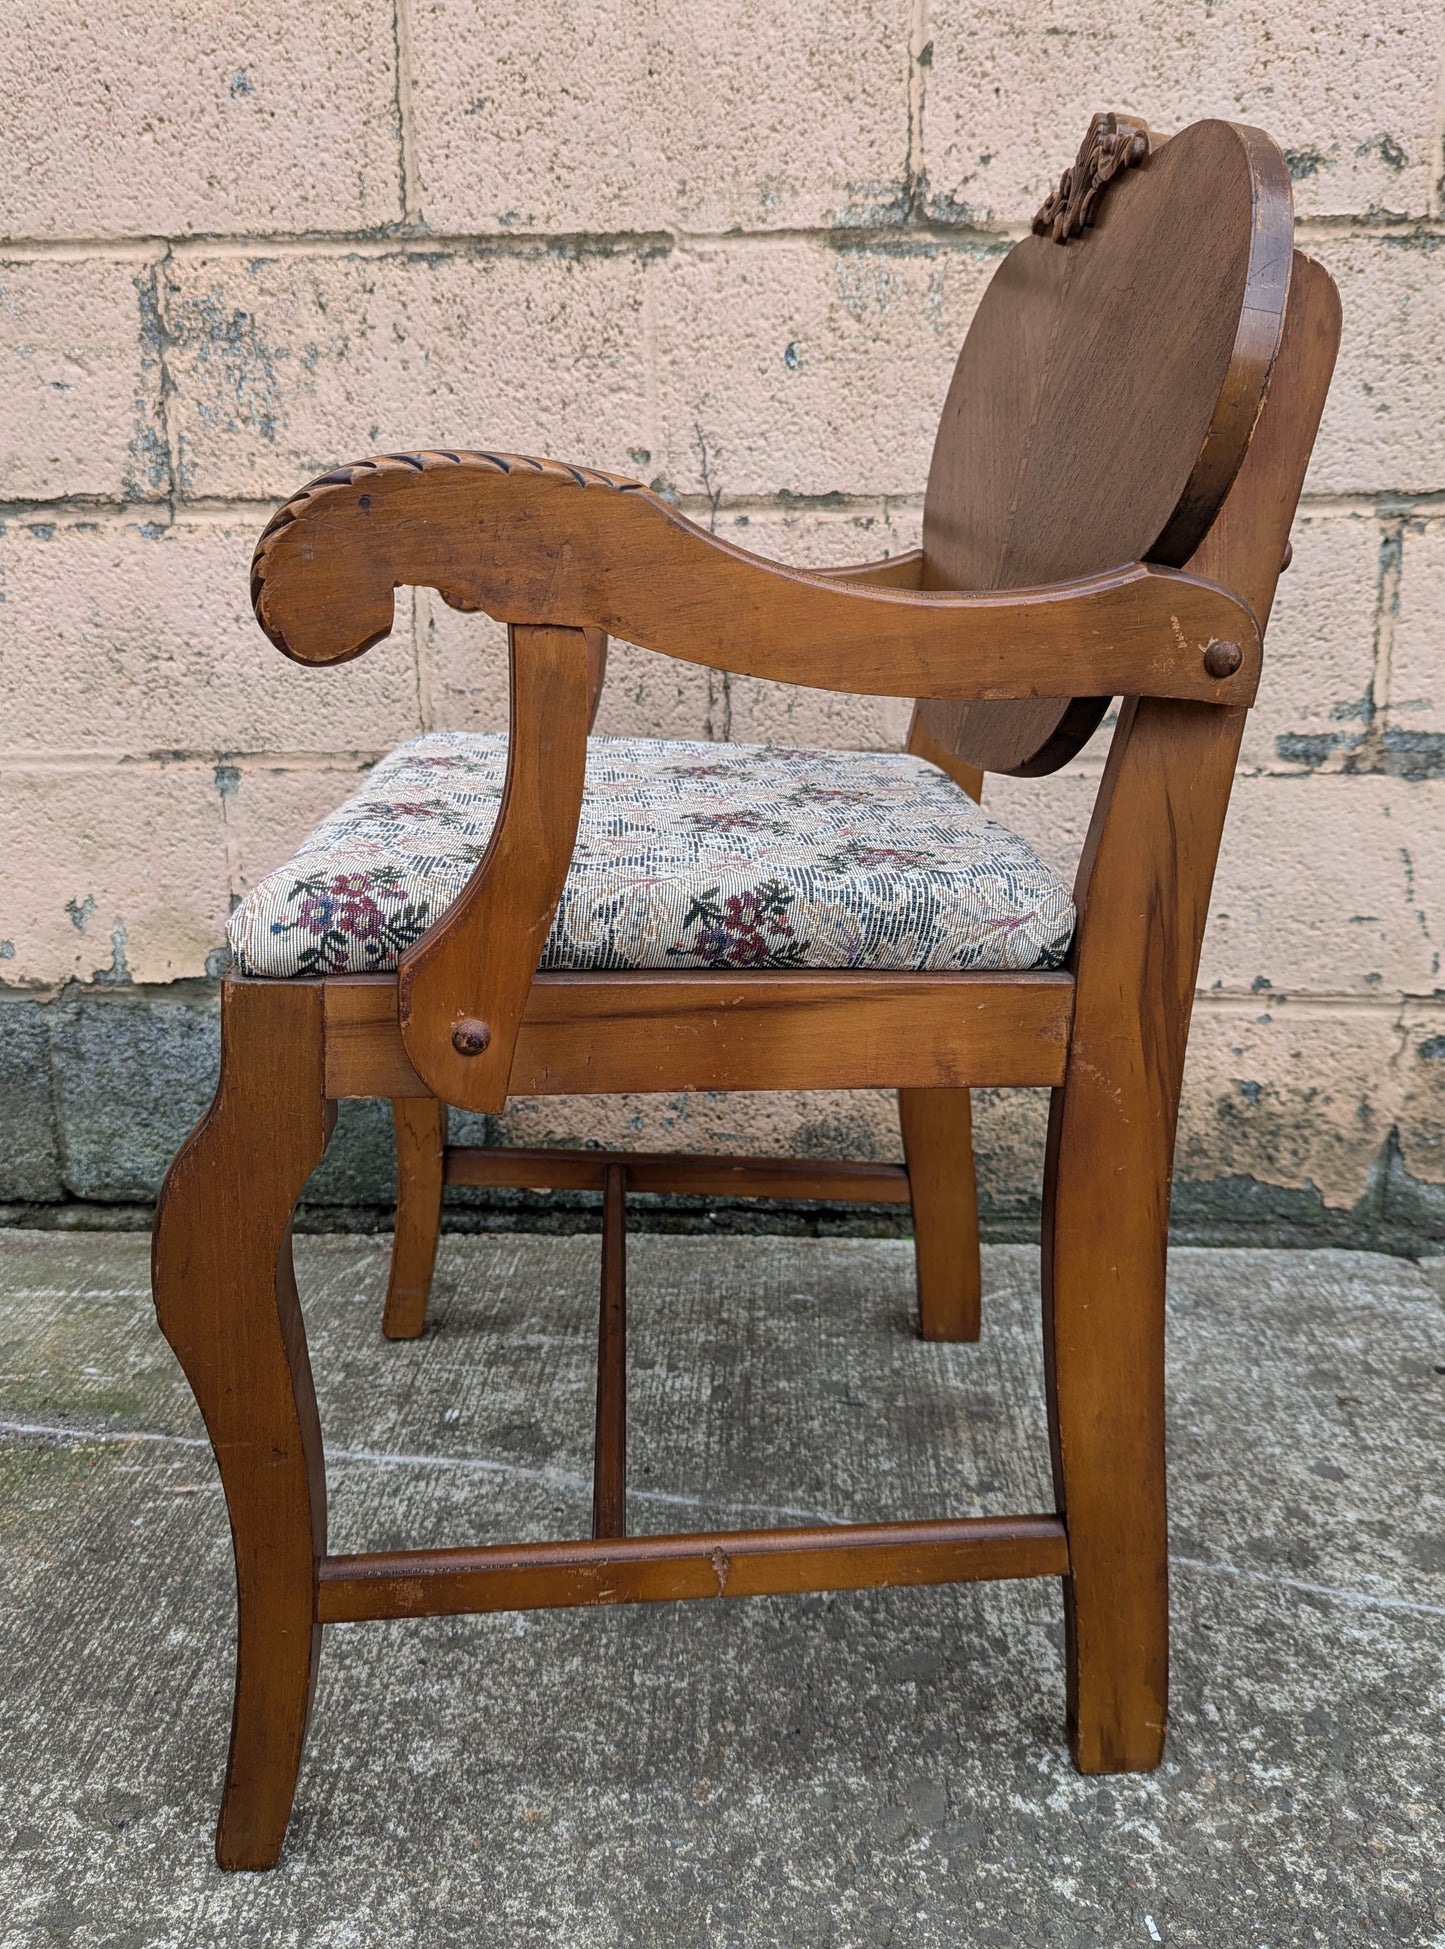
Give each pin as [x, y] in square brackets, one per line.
[751, 929]
[345, 923]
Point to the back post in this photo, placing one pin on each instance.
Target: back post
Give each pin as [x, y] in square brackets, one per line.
[1143, 893]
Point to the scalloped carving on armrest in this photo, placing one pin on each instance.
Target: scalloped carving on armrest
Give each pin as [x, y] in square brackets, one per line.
[535, 542]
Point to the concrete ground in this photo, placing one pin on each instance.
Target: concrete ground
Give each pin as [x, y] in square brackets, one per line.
[876, 1768]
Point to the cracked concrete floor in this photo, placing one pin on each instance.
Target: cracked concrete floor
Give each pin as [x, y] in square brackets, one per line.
[884, 1767]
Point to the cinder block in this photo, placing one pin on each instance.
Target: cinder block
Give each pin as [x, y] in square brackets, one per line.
[1381, 429]
[823, 533]
[150, 120]
[760, 713]
[1314, 699]
[1329, 886]
[113, 873]
[773, 1123]
[1422, 1105]
[647, 695]
[732, 114]
[808, 536]
[653, 696]
[1009, 1131]
[805, 367]
[463, 664]
[1414, 733]
[81, 379]
[1296, 1096]
[359, 1167]
[287, 365]
[138, 637]
[1347, 91]
[1051, 813]
[30, 1154]
[133, 1073]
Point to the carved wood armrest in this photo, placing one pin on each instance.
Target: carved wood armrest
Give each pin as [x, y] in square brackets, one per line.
[537, 543]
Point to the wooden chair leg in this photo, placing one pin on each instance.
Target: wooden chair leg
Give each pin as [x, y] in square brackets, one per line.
[1106, 1212]
[938, 1147]
[420, 1123]
[1105, 1234]
[225, 1294]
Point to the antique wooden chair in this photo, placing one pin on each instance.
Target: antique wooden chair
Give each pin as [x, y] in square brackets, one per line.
[1115, 474]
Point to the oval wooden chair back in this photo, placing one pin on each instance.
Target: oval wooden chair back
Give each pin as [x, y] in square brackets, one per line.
[1107, 391]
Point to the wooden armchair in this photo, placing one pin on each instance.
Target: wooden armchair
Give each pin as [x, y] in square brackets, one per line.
[1117, 467]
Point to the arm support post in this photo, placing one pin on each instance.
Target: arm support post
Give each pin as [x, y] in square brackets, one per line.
[462, 987]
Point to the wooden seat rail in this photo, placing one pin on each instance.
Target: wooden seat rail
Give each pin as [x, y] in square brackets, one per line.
[608, 1034]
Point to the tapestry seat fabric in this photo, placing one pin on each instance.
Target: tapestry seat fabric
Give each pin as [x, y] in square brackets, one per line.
[688, 856]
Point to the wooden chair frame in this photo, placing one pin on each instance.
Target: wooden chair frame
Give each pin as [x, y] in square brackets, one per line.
[565, 556]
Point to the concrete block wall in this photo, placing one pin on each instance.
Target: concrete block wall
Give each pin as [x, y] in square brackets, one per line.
[732, 249]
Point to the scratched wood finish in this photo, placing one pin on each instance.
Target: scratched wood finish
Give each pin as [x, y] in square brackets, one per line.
[420, 1128]
[938, 1143]
[1103, 403]
[658, 1569]
[226, 1300]
[903, 571]
[596, 672]
[566, 557]
[473, 968]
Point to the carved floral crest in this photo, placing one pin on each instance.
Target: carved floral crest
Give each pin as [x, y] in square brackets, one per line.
[1114, 142]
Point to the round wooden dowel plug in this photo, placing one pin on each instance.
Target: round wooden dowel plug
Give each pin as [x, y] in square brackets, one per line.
[1223, 659]
[470, 1036]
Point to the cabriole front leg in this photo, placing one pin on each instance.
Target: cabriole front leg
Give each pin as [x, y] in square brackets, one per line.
[225, 1294]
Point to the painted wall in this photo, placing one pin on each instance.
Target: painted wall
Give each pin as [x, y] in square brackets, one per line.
[732, 248]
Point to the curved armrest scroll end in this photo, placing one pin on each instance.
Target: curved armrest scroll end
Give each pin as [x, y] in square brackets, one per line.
[336, 636]
[315, 607]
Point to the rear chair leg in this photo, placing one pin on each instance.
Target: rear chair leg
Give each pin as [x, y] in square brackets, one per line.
[420, 1123]
[1106, 1215]
[938, 1149]
[1106, 1210]
[225, 1294]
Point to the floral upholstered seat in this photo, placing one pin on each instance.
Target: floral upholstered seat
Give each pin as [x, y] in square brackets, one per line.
[688, 856]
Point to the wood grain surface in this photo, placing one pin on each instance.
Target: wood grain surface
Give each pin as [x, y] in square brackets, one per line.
[1103, 403]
